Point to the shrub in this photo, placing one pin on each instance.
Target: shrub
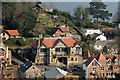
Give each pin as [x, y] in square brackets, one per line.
[20, 42]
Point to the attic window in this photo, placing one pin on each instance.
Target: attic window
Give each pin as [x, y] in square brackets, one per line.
[94, 64]
[108, 62]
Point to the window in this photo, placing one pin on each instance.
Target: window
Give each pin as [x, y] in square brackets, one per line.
[102, 68]
[37, 60]
[109, 74]
[94, 64]
[57, 49]
[94, 70]
[51, 52]
[3, 34]
[43, 50]
[51, 59]
[108, 62]
[42, 59]
[76, 59]
[71, 59]
[64, 49]
[117, 62]
[33, 67]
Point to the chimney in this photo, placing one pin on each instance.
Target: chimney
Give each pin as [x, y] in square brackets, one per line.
[40, 37]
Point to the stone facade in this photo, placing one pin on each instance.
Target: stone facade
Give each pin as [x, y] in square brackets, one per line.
[61, 52]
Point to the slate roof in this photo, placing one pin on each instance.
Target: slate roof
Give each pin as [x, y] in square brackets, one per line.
[51, 42]
[12, 32]
[43, 6]
[25, 67]
[104, 42]
[55, 72]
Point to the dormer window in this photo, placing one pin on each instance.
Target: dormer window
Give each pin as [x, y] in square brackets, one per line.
[94, 64]
[108, 62]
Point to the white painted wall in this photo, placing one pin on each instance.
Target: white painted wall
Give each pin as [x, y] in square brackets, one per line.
[86, 32]
[101, 37]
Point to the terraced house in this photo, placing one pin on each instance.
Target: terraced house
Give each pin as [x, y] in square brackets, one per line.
[57, 51]
[101, 66]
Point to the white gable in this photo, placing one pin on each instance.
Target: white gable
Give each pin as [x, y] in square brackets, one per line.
[77, 45]
[43, 46]
[101, 37]
[94, 60]
[60, 44]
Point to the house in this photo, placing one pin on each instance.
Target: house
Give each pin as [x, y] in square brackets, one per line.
[107, 29]
[5, 55]
[62, 31]
[44, 7]
[7, 34]
[55, 73]
[101, 37]
[28, 70]
[57, 51]
[91, 31]
[99, 44]
[96, 37]
[102, 66]
[111, 48]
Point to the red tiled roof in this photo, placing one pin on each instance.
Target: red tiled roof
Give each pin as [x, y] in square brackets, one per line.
[51, 42]
[107, 29]
[13, 32]
[64, 29]
[3, 58]
[101, 58]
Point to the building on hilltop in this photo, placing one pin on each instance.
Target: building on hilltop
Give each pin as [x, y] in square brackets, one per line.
[7, 34]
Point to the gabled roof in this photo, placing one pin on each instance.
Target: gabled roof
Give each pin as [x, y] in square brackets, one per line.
[64, 29]
[87, 55]
[3, 58]
[25, 67]
[51, 42]
[90, 60]
[12, 32]
[55, 72]
[101, 58]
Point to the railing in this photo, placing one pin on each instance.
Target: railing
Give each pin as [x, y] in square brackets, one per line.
[61, 54]
[2, 46]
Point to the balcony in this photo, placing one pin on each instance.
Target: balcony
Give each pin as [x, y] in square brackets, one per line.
[42, 54]
[62, 53]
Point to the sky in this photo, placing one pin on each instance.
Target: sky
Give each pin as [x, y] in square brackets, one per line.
[69, 6]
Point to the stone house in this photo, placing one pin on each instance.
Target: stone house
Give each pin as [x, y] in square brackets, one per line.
[28, 70]
[61, 31]
[101, 66]
[7, 34]
[5, 55]
[57, 50]
[100, 44]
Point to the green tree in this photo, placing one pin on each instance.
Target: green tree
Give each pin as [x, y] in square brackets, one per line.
[97, 10]
[85, 14]
[18, 16]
